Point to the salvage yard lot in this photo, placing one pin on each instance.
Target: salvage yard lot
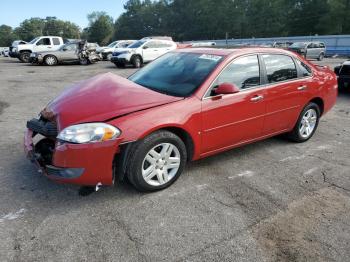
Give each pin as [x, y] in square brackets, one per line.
[270, 201]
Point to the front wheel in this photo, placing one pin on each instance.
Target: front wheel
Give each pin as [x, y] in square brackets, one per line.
[137, 62]
[157, 161]
[307, 124]
[24, 57]
[50, 60]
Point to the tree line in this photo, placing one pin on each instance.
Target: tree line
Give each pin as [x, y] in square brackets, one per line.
[197, 20]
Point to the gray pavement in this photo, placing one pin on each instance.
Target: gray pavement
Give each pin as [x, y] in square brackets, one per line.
[269, 201]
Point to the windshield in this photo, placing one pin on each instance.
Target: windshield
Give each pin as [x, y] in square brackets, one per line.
[137, 44]
[176, 74]
[112, 44]
[34, 40]
[298, 44]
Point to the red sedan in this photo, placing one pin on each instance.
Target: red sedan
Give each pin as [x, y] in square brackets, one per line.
[186, 105]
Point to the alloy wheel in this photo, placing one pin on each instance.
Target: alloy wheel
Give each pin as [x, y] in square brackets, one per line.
[161, 164]
[50, 60]
[308, 123]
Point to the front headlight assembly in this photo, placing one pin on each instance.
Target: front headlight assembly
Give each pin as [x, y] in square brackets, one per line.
[89, 133]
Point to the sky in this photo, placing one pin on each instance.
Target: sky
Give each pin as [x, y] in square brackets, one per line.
[70, 10]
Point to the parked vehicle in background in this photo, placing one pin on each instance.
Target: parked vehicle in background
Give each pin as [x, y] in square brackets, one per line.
[186, 105]
[80, 52]
[201, 44]
[5, 51]
[13, 48]
[313, 50]
[283, 45]
[142, 51]
[107, 51]
[343, 74]
[38, 44]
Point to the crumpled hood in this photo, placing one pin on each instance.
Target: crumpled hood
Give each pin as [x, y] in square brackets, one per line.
[103, 97]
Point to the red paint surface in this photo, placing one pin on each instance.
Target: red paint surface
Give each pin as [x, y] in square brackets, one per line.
[214, 124]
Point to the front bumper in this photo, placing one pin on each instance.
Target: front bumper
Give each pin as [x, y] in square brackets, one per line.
[82, 164]
[36, 60]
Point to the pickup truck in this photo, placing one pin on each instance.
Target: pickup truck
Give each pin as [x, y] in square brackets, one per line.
[38, 44]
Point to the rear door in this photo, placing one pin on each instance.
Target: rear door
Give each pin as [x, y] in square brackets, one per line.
[286, 92]
[232, 119]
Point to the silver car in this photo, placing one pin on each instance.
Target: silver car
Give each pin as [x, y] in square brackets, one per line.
[67, 54]
[312, 50]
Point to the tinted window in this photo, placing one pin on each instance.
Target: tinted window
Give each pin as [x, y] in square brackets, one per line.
[56, 41]
[243, 72]
[305, 69]
[137, 44]
[177, 74]
[279, 68]
[44, 41]
[153, 44]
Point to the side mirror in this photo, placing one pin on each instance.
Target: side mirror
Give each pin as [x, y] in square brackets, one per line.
[226, 88]
[145, 47]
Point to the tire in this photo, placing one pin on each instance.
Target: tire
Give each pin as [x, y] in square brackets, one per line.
[161, 173]
[50, 60]
[120, 65]
[320, 57]
[137, 61]
[300, 134]
[84, 61]
[24, 57]
[109, 56]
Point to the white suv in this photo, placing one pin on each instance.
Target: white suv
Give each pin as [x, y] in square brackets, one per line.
[142, 51]
[106, 51]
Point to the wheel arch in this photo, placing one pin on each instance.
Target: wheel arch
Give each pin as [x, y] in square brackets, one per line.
[121, 158]
[318, 101]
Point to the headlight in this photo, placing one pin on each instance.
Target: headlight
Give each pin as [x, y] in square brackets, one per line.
[89, 133]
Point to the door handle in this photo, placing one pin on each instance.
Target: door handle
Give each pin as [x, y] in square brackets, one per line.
[302, 88]
[257, 98]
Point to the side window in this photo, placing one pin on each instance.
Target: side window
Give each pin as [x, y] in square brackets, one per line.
[152, 44]
[44, 41]
[243, 72]
[72, 47]
[56, 41]
[305, 69]
[279, 68]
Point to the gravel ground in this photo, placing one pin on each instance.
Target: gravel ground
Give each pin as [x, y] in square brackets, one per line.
[269, 201]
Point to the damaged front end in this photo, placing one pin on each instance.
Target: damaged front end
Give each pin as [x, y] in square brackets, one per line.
[41, 153]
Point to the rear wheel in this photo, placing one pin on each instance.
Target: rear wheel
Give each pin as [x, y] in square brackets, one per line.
[50, 60]
[320, 57]
[307, 124]
[24, 57]
[157, 161]
[84, 61]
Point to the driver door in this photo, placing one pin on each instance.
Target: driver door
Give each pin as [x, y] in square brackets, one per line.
[69, 53]
[44, 44]
[233, 119]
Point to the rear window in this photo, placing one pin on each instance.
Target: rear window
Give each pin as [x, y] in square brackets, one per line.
[279, 68]
[56, 41]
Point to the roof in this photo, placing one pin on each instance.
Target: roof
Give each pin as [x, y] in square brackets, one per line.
[237, 51]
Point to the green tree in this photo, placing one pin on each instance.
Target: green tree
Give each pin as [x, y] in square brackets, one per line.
[6, 35]
[100, 28]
